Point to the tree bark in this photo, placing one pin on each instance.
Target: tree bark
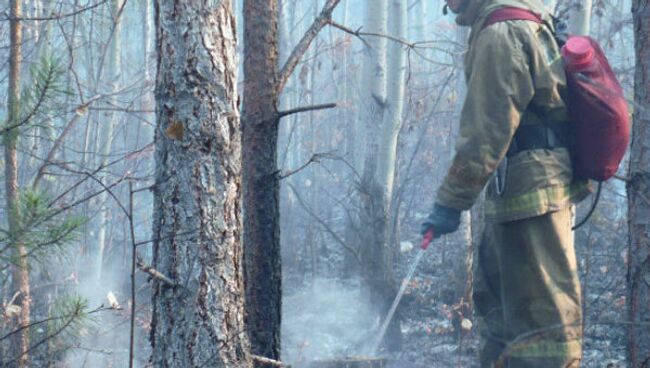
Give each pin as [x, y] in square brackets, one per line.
[260, 177]
[638, 192]
[199, 321]
[20, 272]
[261, 187]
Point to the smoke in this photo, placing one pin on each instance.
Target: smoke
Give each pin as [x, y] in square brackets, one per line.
[327, 319]
[104, 340]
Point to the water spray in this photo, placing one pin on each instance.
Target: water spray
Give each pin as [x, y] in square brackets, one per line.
[426, 241]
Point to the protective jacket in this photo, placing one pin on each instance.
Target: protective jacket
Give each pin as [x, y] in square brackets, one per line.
[514, 78]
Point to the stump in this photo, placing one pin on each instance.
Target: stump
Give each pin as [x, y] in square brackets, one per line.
[349, 363]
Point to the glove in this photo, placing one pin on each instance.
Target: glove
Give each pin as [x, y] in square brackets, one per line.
[443, 220]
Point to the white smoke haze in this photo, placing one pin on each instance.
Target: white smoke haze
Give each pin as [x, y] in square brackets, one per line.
[104, 341]
[325, 320]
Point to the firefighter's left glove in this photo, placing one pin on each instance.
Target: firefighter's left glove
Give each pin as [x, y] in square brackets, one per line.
[442, 220]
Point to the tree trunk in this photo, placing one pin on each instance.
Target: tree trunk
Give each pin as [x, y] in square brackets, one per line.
[199, 320]
[638, 191]
[106, 136]
[20, 273]
[395, 101]
[147, 32]
[261, 187]
[376, 254]
[580, 17]
[262, 261]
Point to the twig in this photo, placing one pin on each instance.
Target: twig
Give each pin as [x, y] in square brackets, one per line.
[145, 242]
[59, 141]
[314, 158]
[282, 114]
[101, 308]
[358, 33]
[58, 16]
[264, 360]
[133, 263]
[298, 52]
[622, 178]
[153, 272]
[324, 225]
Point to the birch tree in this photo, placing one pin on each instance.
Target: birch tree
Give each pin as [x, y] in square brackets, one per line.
[198, 309]
[580, 17]
[396, 84]
[106, 132]
[638, 192]
[381, 117]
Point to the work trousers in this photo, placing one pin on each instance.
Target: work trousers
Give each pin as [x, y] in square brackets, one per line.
[527, 294]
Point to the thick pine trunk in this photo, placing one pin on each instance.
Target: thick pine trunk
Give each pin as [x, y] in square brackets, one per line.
[20, 273]
[638, 193]
[261, 178]
[198, 321]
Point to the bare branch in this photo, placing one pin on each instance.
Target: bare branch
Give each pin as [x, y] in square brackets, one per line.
[154, 273]
[57, 16]
[282, 114]
[324, 224]
[299, 51]
[264, 360]
[358, 33]
[315, 158]
[59, 141]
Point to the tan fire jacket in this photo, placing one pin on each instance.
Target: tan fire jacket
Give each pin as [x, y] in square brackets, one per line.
[512, 68]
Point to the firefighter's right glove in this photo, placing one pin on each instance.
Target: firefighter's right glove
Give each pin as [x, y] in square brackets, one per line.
[442, 220]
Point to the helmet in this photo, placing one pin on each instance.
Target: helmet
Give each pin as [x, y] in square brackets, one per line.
[456, 6]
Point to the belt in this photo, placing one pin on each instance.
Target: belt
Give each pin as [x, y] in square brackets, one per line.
[539, 136]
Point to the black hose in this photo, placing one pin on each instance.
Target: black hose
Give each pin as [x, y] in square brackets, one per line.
[593, 207]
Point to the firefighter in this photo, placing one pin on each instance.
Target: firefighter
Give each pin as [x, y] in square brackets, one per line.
[513, 138]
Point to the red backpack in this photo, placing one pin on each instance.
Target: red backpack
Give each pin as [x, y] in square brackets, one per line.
[596, 103]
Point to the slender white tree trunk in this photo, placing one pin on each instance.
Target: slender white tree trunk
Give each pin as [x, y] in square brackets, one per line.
[419, 15]
[580, 17]
[148, 36]
[387, 155]
[106, 136]
[373, 85]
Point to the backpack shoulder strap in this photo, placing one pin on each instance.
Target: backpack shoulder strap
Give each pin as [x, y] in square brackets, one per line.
[512, 13]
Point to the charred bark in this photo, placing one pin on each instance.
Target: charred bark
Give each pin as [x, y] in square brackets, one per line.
[200, 320]
[263, 82]
[638, 193]
[261, 189]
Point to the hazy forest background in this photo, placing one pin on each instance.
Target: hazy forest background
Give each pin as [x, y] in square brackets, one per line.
[79, 232]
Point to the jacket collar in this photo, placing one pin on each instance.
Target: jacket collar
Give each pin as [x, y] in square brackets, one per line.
[479, 10]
